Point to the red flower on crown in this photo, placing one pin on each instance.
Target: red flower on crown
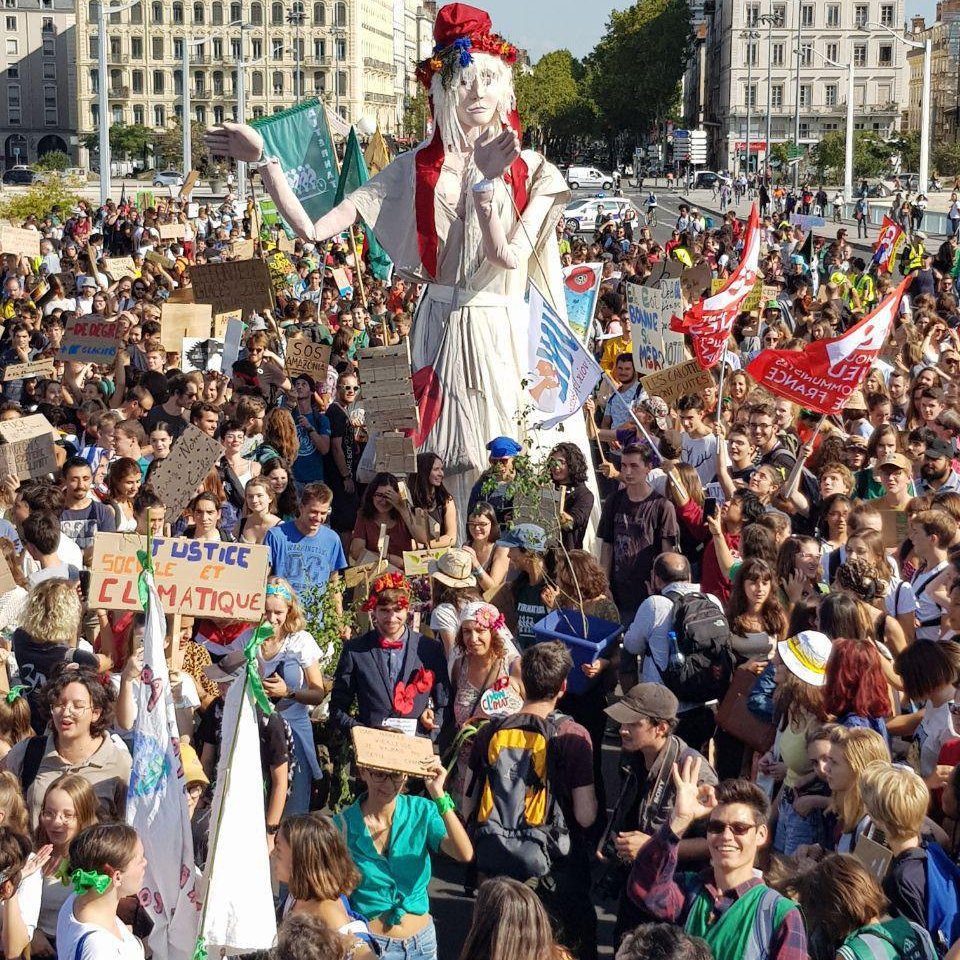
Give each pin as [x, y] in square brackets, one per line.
[388, 581]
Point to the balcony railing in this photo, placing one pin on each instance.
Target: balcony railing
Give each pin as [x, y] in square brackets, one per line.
[118, 93]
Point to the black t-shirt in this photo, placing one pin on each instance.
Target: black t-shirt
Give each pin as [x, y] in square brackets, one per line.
[530, 608]
[340, 426]
[82, 525]
[272, 730]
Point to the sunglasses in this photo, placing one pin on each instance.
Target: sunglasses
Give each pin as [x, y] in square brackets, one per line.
[717, 827]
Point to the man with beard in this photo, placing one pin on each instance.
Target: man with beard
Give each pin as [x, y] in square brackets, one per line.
[937, 474]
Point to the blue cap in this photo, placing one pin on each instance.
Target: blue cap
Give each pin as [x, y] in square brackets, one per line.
[500, 447]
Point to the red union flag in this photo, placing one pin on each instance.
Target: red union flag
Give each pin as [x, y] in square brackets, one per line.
[710, 321]
[823, 375]
[887, 245]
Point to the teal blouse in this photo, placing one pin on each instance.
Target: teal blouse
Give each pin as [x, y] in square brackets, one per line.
[394, 883]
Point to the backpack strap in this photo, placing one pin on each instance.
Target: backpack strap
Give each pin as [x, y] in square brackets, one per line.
[32, 758]
[764, 920]
[79, 950]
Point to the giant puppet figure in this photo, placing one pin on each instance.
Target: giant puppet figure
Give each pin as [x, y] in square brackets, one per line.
[447, 214]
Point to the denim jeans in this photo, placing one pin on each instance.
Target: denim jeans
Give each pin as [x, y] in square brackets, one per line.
[421, 946]
[299, 799]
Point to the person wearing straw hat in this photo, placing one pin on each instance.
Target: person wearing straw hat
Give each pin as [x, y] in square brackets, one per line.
[455, 585]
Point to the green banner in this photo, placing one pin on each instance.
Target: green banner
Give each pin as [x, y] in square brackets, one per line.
[300, 139]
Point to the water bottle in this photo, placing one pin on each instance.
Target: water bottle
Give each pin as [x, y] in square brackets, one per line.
[676, 658]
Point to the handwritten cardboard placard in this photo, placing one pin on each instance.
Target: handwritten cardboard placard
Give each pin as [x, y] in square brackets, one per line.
[177, 477]
[27, 447]
[221, 321]
[416, 563]
[172, 231]
[242, 249]
[675, 382]
[197, 578]
[179, 320]
[306, 357]
[33, 368]
[19, 240]
[119, 267]
[90, 339]
[645, 306]
[151, 256]
[238, 285]
[388, 750]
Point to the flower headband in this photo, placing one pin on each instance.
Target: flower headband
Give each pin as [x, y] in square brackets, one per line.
[388, 581]
[279, 590]
[445, 60]
[485, 615]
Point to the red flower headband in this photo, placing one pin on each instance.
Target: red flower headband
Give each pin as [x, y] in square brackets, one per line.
[388, 581]
[445, 60]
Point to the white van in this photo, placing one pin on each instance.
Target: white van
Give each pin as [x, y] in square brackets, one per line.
[589, 177]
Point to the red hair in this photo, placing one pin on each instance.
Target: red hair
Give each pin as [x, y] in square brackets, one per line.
[855, 681]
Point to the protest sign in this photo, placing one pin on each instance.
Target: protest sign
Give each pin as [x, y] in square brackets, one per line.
[145, 199]
[19, 240]
[806, 223]
[644, 305]
[238, 285]
[581, 283]
[343, 285]
[159, 259]
[306, 357]
[395, 453]
[675, 382]
[379, 749]
[242, 249]
[177, 477]
[220, 321]
[179, 320]
[90, 339]
[232, 338]
[191, 181]
[119, 267]
[27, 448]
[33, 368]
[416, 563]
[671, 299]
[363, 572]
[172, 231]
[770, 291]
[695, 281]
[388, 387]
[201, 353]
[196, 578]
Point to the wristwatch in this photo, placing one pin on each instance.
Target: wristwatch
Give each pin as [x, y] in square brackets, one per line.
[273, 828]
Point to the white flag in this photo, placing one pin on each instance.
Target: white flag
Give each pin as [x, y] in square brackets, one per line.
[562, 372]
[157, 801]
[238, 910]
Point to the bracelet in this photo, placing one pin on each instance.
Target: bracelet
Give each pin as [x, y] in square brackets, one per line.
[273, 828]
[444, 804]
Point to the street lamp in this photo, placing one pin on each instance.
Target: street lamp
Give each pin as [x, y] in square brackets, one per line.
[771, 20]
[185, 109]
[796, 107]
[102, 11]
[296, 17]
[750, 36]
[848, 155]
[927, 47]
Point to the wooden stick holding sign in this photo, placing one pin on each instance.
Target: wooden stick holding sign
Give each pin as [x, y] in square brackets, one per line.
[595, 435]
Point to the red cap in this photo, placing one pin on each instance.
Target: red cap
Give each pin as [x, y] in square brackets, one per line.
[457, 20]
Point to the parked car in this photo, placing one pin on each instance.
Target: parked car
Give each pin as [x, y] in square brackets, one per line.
[707, 178]
[581, 215]
[589, 177]
[167, 178]
[19, 176]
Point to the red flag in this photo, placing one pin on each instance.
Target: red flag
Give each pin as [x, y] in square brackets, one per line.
[710, 321]
[887, 245]
[823, 375]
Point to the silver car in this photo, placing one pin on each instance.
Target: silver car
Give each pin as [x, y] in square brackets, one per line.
[167, 178]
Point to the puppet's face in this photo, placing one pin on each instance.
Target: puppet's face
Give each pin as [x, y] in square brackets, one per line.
[479, 89]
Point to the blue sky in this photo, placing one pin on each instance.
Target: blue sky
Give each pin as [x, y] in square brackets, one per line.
[544, 25]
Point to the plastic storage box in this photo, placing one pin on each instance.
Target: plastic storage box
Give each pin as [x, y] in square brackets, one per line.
[567, 626]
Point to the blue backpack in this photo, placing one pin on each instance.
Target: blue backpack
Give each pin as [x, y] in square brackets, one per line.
[943, 898]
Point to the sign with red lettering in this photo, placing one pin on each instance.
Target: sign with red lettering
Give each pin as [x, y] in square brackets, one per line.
[822, 376]
[90, 339]
[197, 578]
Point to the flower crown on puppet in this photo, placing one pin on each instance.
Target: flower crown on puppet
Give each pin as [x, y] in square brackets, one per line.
[446, 59]
[388, 581]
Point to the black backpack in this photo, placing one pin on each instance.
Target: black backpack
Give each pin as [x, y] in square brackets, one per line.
[701, 663]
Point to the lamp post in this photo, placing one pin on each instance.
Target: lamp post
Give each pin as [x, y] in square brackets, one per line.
[296, 17]
[770, 20]
[927, 47]
[751, 36]
[185, 109]
[796, 107]
[241, 66]
[103, 105]
[848, 149]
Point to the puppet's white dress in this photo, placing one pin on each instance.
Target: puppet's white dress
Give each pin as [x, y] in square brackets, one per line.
[472, 320]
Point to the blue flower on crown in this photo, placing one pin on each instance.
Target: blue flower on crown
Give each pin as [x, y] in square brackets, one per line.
[463, 45]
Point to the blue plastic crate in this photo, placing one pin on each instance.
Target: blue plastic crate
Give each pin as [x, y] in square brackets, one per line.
[567, 626]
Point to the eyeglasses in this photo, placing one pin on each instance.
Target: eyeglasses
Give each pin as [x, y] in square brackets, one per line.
[718, 827]
[385, 775]
[76, 708]
[346, 389]
[65, 816]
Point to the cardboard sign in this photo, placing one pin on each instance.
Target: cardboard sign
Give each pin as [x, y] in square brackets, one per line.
[33, 368]
[894, 528]
[189, 183]
[340, 281]
[416, 563]
[696, 280]
[395, 453]
[242, 249]
[362, 573]
[19, 240]
[388, 399]
[675, 382]
[172, 231]
[306, 357]
[671, 300]
[27, 447]
[119, 267]
[177, 477]
[90, 339]
[179, 320]
[238, 285]
[644, 305]
[396, 752]
[159, 259]
[221, 320]
[196, 578]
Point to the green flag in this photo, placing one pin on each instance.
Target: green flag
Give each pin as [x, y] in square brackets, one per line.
[300, 139]
[353, 174]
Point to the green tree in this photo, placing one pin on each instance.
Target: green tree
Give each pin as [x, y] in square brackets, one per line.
[634, 71]
[545, 93]
[126, 140]
[946, 159]
[39, 200]
[54, 160]
[168, 147]
[415, 115]
[871, 155]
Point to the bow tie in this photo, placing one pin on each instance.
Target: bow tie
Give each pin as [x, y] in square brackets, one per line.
[386, 644]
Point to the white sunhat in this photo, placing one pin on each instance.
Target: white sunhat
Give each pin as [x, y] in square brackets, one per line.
[805, 656]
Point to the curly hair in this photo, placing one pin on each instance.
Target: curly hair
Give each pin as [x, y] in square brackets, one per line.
[860, 577]
[102, 698]
[580, 567]
[280, 432]
[53, 613]
[576, 462]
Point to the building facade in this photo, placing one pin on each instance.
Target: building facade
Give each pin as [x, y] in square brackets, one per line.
[342, 52]
[38, 99]
[749, 41]
[944, 37]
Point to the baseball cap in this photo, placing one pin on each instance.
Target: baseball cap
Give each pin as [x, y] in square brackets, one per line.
[805, 656]
[644, 701]
[938, 448]
[658, 409]
[773, 305]
[898, 461]
[527, 536]
[257, 323]
[501, 447]
[227, 668]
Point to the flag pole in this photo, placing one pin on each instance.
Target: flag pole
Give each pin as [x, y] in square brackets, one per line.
[723, 370]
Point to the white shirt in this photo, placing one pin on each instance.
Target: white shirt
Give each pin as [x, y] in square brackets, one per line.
[30, 893]
[701, 454]
[67, 552]
[99, 945]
